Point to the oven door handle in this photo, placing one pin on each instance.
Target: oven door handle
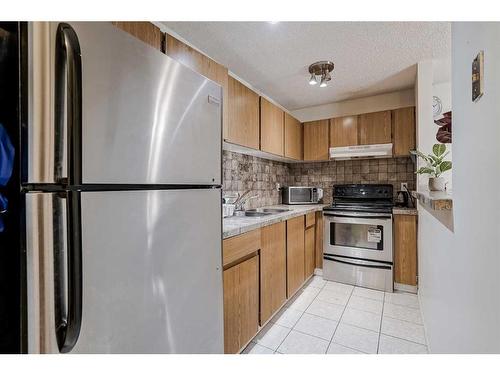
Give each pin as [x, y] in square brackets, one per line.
[359, 216]
[379, 266]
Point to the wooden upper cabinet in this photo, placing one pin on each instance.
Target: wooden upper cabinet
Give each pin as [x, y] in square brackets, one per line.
[293, 137]
[295, 254]
[145, 31]
[405, 249]
[243, 115]
[316, 142]
[272, 270]
[375, 128]
[403, 131]
[271, 128]
[203, 65]
[344, 131]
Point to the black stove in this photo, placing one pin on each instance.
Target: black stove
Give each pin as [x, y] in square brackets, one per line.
[376, 198]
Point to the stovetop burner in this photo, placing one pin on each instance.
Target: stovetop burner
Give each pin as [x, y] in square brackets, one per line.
[362, 198]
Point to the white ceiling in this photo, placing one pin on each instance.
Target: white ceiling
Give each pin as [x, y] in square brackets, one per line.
[370, 57]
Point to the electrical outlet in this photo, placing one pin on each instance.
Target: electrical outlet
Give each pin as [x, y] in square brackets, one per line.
[278, 187]
[404, 186]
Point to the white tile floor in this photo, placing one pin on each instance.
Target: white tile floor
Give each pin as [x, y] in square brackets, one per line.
[332, 318]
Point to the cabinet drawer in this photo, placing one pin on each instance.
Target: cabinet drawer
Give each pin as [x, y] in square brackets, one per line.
[310, 219]
[239, 247]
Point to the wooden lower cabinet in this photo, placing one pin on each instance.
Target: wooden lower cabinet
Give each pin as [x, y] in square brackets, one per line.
[241, 304]
[319, 240]
[309, 251]
[272, 270]
[405, 249]
[295, 254]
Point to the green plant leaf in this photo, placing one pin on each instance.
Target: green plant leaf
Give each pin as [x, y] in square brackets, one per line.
[420, 154]
[439, 149]
[425, 170]
[438, 171]
[445, 166]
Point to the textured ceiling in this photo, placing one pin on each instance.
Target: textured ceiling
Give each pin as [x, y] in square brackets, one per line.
[370, 57]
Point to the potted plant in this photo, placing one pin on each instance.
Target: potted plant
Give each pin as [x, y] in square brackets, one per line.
[436, 165]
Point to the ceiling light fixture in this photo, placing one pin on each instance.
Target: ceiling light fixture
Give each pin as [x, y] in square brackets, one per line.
[320, 69]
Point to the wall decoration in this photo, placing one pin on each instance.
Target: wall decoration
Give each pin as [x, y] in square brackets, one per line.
[477, 76]
[437, 106]
[443, 134]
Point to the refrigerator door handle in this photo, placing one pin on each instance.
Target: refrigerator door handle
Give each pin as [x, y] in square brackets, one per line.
[68, 105]
[68, 274]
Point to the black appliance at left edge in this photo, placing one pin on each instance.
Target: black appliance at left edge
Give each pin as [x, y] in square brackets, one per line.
[12, 249]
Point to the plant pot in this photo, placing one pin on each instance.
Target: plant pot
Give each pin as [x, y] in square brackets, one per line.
[436, 184]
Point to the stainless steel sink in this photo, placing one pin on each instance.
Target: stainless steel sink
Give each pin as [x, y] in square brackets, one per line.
[258, 212]
[275, 210]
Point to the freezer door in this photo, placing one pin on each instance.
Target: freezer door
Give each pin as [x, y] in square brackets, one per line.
[152, 274]
[146, 119]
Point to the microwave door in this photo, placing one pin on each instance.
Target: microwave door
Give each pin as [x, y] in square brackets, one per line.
[301, 195]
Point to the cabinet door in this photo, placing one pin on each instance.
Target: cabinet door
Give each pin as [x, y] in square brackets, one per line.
[145, 31]
[375, 128]
[271, 128]
[405, 249]
[344, 131]
[241, 304]
[243, 115]
[316, 142]
[293, 138]
[309, 251]
[319, 240]
[273, 270]
[295, 256]
[203, 65]
[403, 131]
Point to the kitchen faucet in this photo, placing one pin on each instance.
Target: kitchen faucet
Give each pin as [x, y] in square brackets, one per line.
[240, 202]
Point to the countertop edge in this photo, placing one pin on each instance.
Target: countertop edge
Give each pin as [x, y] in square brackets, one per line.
[272, 219]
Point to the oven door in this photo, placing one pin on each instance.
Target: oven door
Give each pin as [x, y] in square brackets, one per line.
[360, 235]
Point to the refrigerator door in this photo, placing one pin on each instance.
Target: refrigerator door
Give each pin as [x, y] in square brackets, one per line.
[146, 119]
[152, 272]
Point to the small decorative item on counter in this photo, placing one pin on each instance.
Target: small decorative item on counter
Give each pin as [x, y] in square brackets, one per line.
[436, 165]
[227, 210]
[443, 134]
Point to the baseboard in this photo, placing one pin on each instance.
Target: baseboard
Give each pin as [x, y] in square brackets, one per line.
[406, 288]
[318, 272]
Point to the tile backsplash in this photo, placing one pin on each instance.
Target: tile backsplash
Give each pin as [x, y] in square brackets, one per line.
[244, 172]
[392, 171]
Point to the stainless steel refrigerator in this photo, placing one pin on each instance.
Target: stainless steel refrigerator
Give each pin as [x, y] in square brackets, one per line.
[122, 196]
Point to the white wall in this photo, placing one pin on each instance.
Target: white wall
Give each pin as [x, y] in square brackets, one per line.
[459, 272]
[393, 100]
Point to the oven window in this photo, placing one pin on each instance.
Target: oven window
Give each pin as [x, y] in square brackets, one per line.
[363, 236]
[300, 195]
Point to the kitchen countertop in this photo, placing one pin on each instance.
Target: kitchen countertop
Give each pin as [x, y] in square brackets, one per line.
[404, 211]
[234, 225]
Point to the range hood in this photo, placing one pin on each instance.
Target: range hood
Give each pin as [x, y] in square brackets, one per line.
[365, 151]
